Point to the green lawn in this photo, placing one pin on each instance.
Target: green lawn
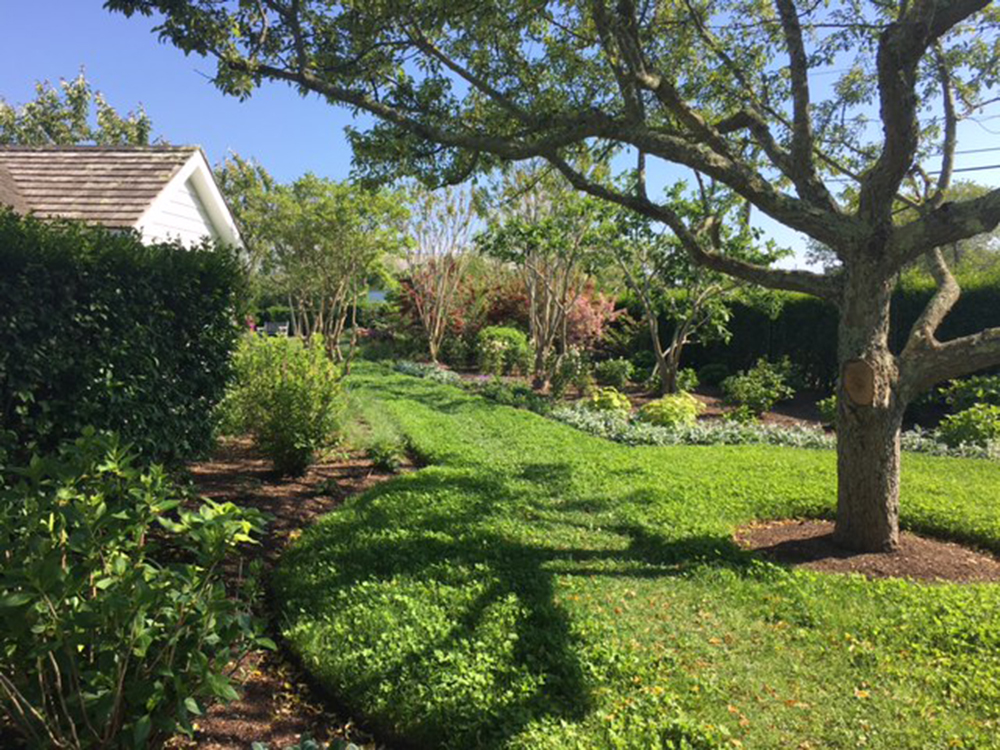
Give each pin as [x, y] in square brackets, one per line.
[538, 587]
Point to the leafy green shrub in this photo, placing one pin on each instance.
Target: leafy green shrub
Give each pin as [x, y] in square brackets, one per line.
[115, 624]
[828, 409]
[672, 411]
[759, 388]
[609, 400]
[98, 329]
[742, 414]
[501, 350]
[518, 395]
[572, 368]
[713, 374]
[687, 380]
[286, 394]
[977, 425]
[967, 392]
[614, 372]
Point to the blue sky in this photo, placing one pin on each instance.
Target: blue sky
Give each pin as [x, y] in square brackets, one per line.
[289, 134]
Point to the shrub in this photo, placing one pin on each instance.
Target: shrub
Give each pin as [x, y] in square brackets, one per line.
[572, 369]
[98, 329]
[614, 372]
[759, 388]
[517, 395]
[672, 411]
[286, 394]
[115, 625]
[610, 400]
[977, 425]
[501, 350]
[828, 409]
[713, 374]
[687, 380]
[967, 392]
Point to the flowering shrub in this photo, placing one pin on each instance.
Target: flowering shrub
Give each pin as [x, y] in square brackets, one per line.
[573, 368]
[588, 317]
[503, 351]
[672, 411]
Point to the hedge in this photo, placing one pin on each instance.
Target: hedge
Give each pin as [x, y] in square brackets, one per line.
[98, 329]
[805, 328]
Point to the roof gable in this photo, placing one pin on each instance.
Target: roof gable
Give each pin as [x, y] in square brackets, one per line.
[112, 186]
[115, 186]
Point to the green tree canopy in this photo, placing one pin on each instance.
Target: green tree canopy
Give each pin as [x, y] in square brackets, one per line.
[71, 114]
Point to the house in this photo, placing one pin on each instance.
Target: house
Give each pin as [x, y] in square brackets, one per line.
[164, 192]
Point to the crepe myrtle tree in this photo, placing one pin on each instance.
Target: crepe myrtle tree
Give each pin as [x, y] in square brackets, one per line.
[440, 231]
[554, 237]
[728, 88]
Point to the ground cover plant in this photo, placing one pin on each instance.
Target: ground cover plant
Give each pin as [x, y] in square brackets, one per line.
[534, 586]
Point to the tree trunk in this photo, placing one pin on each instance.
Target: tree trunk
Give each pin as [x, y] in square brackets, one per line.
[671, 364]
[870, 415]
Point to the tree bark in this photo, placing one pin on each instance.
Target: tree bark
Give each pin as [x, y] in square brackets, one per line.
[869, 420]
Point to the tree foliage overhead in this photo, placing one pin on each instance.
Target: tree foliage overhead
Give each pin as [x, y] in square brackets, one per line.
[72, 114]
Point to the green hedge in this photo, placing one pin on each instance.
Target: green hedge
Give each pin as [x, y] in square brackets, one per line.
[97, 329]
[805, 328]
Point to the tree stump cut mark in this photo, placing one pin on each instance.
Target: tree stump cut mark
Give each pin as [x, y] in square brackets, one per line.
[859, 382]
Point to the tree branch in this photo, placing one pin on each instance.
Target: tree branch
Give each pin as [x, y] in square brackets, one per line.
[950, 359]
[922, 335]
[900, 49]
[945, 225]
[819, 285]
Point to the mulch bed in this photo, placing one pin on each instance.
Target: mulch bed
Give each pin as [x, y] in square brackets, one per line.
[809, 544]
[278, 706]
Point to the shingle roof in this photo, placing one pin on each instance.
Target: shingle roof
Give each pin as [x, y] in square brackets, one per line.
[9, 194]
[112, 186]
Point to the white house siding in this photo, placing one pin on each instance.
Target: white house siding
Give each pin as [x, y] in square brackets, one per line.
[178, 215]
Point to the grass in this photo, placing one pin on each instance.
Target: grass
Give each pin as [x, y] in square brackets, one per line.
[535, 587]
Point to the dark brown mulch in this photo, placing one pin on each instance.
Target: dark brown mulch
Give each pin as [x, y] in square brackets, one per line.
[809, 544]
[278, 705]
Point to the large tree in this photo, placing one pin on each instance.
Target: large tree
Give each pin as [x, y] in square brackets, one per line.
[778, 100]
[72, 114]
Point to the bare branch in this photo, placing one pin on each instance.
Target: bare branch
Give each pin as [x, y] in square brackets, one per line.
[951, 359]
[945, 225]
[900, 49]
[950, 127]
[922, 335]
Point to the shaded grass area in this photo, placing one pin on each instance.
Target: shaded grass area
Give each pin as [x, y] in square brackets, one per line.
[538, 587]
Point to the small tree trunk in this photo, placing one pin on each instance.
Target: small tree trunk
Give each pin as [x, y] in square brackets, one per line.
[870, 415]
[668, 371]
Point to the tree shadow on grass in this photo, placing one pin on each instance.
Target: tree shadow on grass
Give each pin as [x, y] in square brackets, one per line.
[448, 531]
